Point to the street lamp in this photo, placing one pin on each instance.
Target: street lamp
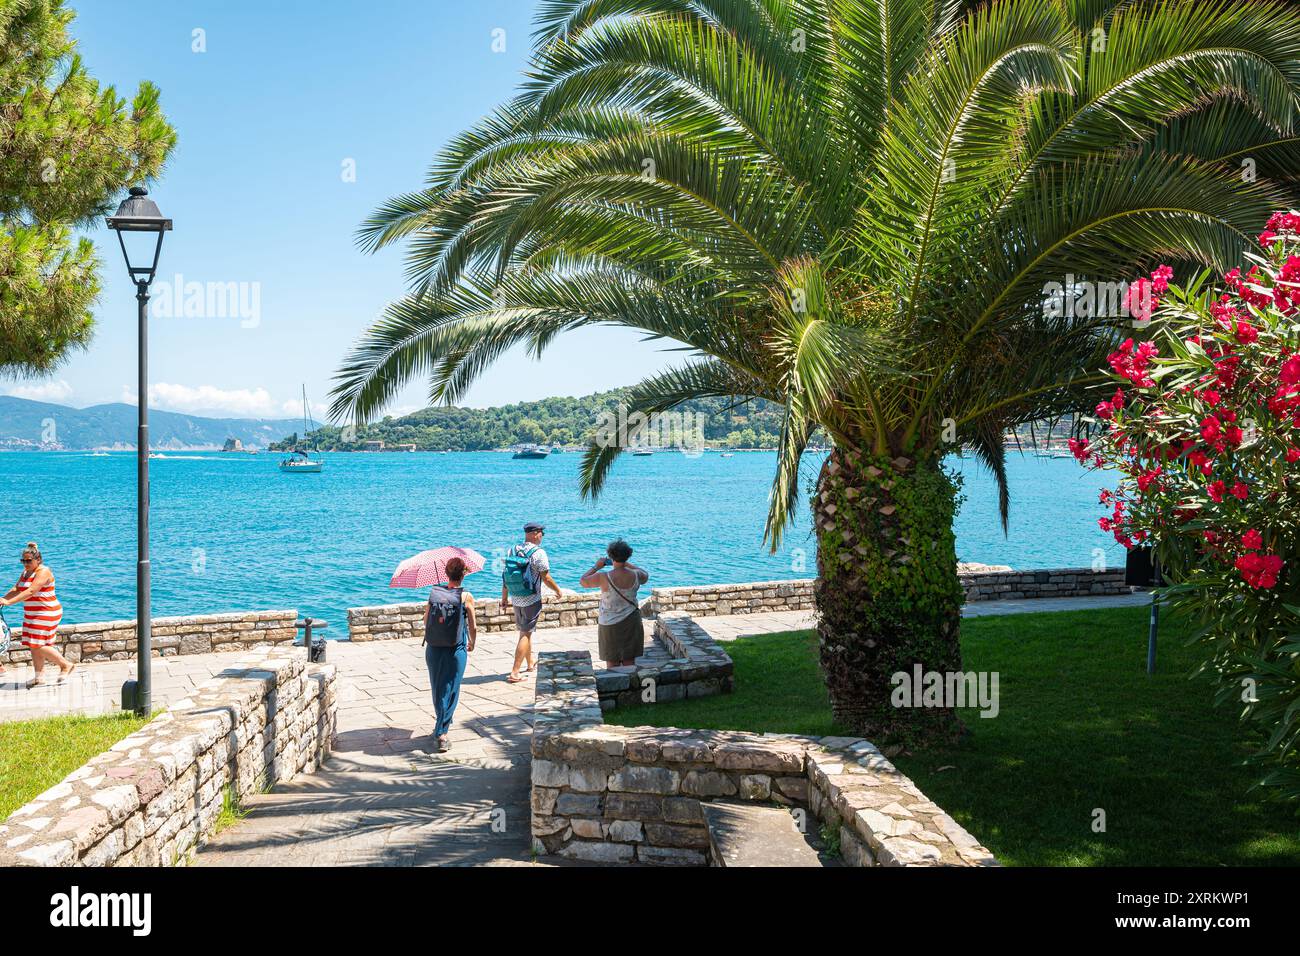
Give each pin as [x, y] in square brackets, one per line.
[138, 214]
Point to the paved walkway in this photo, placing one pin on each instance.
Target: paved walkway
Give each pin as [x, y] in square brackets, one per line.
[384, 798]
[97, 688]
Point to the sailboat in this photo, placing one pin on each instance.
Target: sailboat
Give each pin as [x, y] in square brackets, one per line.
[299, 462]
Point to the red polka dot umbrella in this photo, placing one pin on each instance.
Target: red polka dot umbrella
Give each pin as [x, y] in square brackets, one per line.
[430, 567]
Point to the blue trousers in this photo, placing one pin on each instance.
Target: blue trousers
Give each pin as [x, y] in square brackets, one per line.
[446, 668]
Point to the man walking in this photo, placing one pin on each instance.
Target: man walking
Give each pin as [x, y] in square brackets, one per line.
[527, 569]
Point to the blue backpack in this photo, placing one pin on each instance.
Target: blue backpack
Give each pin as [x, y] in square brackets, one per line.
[518, 575]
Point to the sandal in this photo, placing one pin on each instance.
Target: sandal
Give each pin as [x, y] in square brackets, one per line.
[36, 682]
[63, 675]
[515, 679]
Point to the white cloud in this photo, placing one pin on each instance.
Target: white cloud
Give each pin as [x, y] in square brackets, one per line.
[210, 400]
[42, 391]
[292, 408]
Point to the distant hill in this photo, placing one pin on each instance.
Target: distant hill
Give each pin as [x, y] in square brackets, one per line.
[32, 425]
[563, 421]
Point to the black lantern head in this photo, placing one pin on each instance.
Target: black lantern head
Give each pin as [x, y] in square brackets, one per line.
[139, 214]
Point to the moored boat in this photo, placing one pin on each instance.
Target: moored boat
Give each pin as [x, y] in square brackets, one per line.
[299, 461]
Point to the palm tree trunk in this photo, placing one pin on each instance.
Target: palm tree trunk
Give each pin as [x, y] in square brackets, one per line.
[887, 591]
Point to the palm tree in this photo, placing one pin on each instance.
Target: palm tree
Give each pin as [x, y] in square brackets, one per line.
[851, 208]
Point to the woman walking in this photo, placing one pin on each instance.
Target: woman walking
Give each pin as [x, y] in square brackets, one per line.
[42, 613]
[621, 633]
[449, 634]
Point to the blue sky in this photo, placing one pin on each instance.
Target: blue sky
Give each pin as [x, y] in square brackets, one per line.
[286, 99]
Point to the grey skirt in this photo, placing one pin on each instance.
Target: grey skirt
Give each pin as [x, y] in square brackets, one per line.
[622, 641]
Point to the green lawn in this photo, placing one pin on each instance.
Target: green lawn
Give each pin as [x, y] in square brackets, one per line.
[37, 754]
[1081, 727]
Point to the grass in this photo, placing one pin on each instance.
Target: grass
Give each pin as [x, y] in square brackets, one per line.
[1081, 728]
[37, 754]
[232, 811]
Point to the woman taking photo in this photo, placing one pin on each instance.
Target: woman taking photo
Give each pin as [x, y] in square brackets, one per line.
[621, 634]
[42, 613]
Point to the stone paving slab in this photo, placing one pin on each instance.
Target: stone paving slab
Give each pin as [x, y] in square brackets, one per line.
[754, 834]
[1038, 605]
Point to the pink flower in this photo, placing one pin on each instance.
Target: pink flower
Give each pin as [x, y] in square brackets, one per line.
[1209, 428]
[1139, 301]
[1252, 540]
[1217, 489]
[1240, 490]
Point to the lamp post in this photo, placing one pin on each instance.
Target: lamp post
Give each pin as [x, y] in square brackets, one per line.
[136, 215]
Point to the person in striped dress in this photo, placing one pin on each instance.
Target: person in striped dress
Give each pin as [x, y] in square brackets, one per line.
[42, 613]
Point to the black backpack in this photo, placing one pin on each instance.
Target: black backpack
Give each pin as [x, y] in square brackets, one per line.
[442, 617]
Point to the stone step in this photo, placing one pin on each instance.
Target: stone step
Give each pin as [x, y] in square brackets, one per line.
[755, 834]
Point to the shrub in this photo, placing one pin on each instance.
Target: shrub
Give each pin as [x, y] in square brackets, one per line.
[1204, 428]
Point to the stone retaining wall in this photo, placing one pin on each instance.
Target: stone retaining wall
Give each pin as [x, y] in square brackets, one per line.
[196, 634]
[683, 661]
[755, 598]
[386, 622]
[155, 796]
[1055, 582]
[608, 794]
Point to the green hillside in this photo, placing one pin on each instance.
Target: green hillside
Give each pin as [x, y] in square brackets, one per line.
[551, 421]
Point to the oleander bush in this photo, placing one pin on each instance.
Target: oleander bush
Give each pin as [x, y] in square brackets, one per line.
[1204, 428]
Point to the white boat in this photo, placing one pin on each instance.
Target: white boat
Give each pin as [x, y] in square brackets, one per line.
[530, 452]
[300, 462]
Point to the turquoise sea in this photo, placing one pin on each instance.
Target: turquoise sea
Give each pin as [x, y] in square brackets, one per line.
[230, 532]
